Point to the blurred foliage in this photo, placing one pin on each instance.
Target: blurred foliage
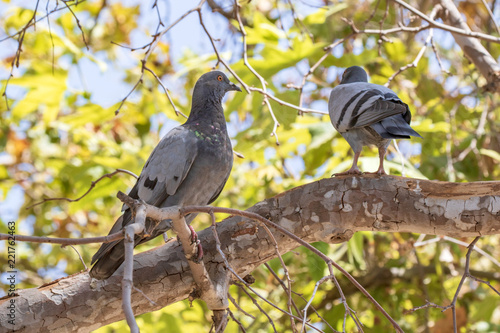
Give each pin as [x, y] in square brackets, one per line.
[56, 140]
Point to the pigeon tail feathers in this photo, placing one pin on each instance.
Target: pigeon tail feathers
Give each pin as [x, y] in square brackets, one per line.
[394, 127]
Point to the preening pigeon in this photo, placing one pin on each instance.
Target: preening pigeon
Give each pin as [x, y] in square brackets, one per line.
[189, 166]
[367, 114]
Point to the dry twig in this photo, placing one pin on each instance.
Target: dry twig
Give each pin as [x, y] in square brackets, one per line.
[92, 185]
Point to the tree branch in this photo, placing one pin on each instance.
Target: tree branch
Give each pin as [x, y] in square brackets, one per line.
[472, 47]
[324, 210]
[455, 30]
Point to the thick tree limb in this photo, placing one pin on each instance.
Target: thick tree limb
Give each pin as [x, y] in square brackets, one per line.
[319, 211]
[472, 47]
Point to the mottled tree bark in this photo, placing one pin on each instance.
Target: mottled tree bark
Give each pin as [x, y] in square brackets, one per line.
[329, 210]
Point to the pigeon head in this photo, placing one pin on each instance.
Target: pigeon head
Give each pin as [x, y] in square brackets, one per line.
[213, 84]
[208, 93]
[354, 74]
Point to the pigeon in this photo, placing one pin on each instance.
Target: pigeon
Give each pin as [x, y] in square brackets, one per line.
[367, 114]
[189, 166]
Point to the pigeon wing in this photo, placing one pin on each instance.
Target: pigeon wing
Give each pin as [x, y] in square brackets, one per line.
[168, 166]
[361, 104]
[163, 173]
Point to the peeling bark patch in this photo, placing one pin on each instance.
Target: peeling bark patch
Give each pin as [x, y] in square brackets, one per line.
[288, 224]
[464, 214]
[328, 194]
[331, 200]
[347, 208]
[246, 231]
[375, 210]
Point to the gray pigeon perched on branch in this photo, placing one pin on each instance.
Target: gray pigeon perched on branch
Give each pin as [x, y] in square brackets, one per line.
[189, 166]
[367, 114]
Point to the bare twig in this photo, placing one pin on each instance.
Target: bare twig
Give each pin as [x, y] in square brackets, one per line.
[311, 70]
[173, 212]
[236, 321]
[372, 14]
[236, 305]
[299, 295]
[17, 56]
[287, 275]
[261, 79]
[385, 32]
[282, 284]
[79, 255]
[32, 23]
[348, 311]
[145, 296]
[381, 25]
[302, 27]
[434, 48]
[150, 48]
[459, 242]
[322, 280]
[92, 185]
[281, 102]
[51, 37]
[464, 276]
[66, 241]
[425, 306]
[484, 282]
[254, 301]
[127, 282]
[428, 41]
[492, 17]
[160, 22]
[77, 23]
[176, 110]
[446, 27]
[152, 45]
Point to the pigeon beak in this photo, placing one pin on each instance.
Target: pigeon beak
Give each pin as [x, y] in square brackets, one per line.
[232, 86]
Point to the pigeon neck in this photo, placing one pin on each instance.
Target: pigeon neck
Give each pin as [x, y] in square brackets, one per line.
[208, 111]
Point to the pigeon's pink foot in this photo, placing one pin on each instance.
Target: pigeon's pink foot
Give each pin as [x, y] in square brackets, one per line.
[380, 172]
[354, 168]
[194, 239]
[351, 171]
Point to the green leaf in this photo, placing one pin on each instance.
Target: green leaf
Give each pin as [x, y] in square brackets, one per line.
[45, 93]
[322, 14]
[89, 113]
[263, 31]
[316, 265]
[490, 153]
[356, 249]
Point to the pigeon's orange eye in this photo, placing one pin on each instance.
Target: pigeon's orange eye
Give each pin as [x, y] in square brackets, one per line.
[219, 77]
